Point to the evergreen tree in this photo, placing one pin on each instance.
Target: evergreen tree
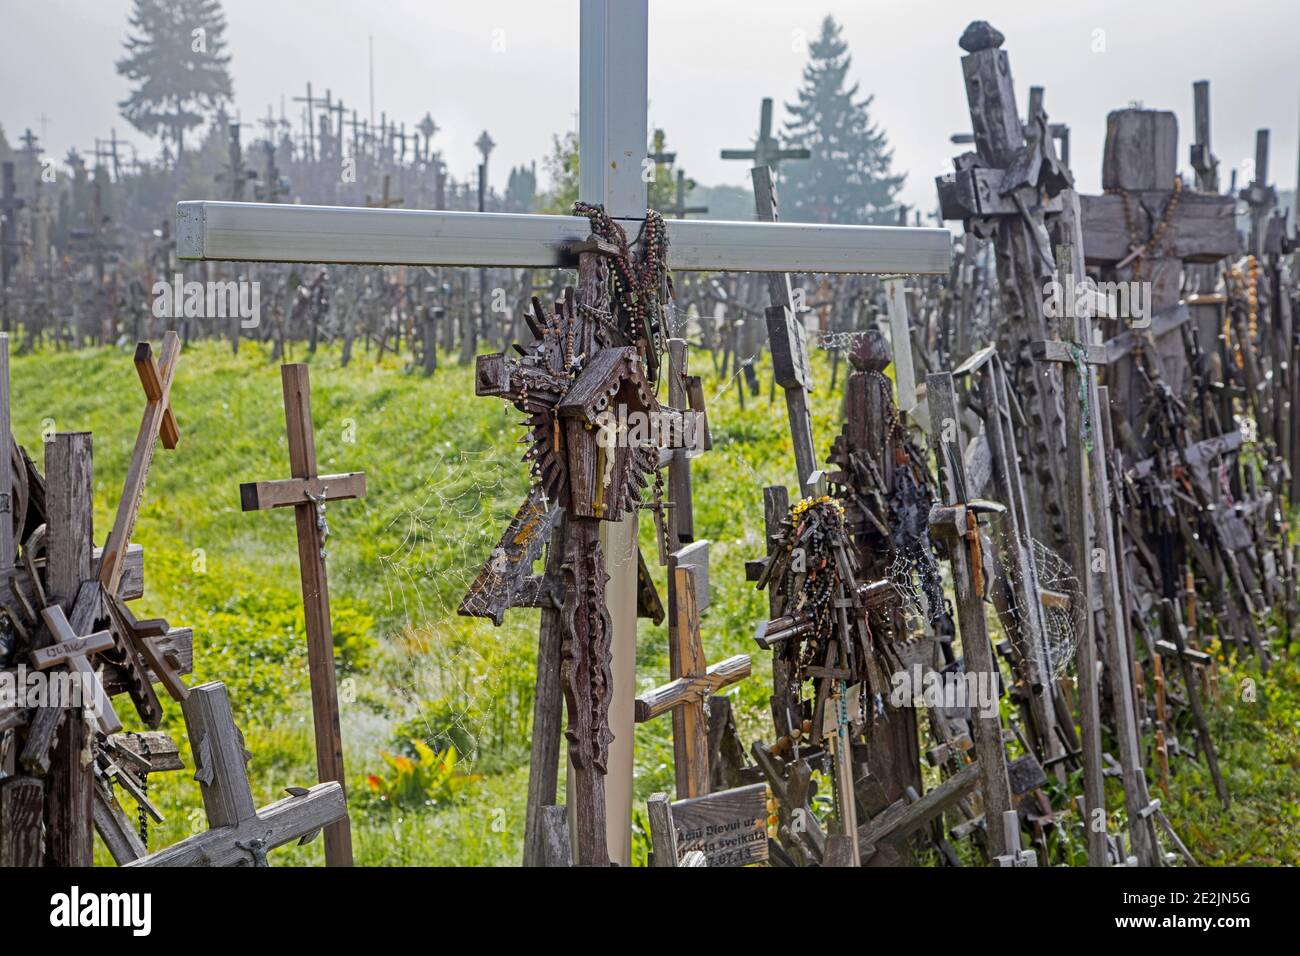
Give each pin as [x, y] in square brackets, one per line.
[847, 180]
[176, 59]
[521, 189]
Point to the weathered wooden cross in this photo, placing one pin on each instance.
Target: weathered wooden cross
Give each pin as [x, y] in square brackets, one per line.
[612, 143]
[767, 151]
[957, 521]
[1091, 536]
[694, 682]
[73, 650]
[307, 492]
[1004, 190]
[1142, 231]
[239, 834]
[158, 422]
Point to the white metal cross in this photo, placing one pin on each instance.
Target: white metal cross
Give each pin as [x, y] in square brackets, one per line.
[613, 144]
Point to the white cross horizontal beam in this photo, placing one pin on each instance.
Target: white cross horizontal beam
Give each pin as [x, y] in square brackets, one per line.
[267, 232]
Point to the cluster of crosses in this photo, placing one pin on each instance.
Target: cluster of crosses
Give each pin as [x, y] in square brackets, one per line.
[64, 758]
[1032, 446]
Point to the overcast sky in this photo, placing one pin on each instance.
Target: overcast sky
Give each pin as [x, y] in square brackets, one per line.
[511, 66]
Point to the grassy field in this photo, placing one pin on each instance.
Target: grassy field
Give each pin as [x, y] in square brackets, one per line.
[416, 680]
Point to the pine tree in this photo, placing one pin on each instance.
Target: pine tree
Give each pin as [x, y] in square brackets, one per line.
[175, 56]
[847, 180]
[521, 189]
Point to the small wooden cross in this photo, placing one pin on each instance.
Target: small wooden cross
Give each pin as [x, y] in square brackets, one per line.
[158, 422]
[690, 691]
[239, 834]
[307, 492]
[72, 650]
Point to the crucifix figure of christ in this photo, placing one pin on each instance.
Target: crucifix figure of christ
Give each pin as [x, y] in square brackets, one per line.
[612, 144]
[307, 493]
[238, 833]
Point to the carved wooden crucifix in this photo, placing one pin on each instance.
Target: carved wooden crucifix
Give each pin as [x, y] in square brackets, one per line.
[1005, 191]
[307, 492]
[239, 834]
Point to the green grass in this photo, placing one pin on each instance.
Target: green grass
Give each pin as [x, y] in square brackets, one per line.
[444, 478]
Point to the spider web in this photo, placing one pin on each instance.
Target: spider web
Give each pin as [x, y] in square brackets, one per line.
[442, 674]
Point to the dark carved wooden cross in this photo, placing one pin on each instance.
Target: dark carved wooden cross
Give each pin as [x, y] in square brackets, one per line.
[575, 383]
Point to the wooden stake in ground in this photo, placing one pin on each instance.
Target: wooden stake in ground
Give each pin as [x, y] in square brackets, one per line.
[308, 492]
[957, 521]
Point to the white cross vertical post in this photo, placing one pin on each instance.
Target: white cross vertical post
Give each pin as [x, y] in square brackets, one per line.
[612, 142]
[613, 145]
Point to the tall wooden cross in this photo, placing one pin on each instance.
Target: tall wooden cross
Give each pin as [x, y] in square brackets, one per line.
[612, 144]
[679, 209]
[767, 150]
[239, 834]
[957, 520]
[1004, 191]
[307, 492]
[1088, 510]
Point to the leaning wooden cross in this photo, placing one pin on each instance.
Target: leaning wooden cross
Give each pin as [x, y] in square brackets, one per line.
[957, 521]
[239, 834]
[689, 691]
[306, 492]
[1091, 534]
[158, 422]
[612, 143]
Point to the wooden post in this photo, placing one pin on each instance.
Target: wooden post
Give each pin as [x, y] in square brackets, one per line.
[548, 707]
[307, 493]
[7, 547]
[977, 652]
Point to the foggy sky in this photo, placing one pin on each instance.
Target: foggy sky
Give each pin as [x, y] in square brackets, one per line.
[710, 63]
